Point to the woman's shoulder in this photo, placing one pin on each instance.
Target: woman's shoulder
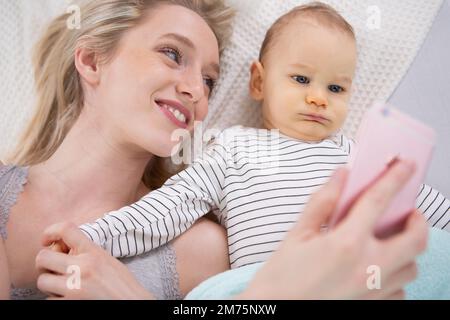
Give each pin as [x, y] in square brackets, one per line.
[12, 180]
[11, 175]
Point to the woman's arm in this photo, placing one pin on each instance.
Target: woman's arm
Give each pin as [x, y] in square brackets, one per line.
[196, 260]
[4, 273]
[98, 275]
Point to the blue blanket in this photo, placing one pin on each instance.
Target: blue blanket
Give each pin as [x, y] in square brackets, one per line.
[433, 281]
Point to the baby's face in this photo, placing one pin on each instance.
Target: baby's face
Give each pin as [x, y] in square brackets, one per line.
[306, 80]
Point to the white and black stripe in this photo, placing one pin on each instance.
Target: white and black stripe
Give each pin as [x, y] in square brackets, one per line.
[435, 207]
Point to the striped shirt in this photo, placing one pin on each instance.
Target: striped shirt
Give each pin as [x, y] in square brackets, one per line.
[255, 181]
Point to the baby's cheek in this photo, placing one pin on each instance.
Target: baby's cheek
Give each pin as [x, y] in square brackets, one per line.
[341, 112]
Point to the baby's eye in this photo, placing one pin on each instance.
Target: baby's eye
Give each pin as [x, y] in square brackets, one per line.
[210, 83]
[335, 88]
[172, 54]
[301, 79]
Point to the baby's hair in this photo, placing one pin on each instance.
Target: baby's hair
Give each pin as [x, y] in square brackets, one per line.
[319, 11]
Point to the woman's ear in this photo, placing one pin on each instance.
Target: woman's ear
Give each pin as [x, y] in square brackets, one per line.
[86, 62]
[257, 81]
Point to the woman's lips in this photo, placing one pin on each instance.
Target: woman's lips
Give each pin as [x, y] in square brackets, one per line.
[175, 112]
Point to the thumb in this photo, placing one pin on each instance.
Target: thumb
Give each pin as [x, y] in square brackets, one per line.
[322, 204]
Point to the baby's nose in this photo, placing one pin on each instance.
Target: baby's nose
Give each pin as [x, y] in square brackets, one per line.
[318, 99]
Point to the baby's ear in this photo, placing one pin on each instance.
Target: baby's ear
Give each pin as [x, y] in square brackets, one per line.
[257, 81]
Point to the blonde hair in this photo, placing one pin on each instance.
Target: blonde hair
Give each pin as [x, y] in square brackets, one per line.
[58, 86]
[319, 11]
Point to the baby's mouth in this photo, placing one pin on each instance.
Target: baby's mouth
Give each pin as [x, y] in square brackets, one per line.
[315, 117]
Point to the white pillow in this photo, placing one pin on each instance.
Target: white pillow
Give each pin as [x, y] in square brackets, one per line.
[384, 55]
[22, 23]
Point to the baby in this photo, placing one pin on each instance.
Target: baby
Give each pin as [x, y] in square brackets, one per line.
[257, 181]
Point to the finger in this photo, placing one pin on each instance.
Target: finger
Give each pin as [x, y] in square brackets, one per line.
[322, 204]
[53, 261]
[399, 295]
[73, 237]
[373, 203]
[51, 284]
[403, 248]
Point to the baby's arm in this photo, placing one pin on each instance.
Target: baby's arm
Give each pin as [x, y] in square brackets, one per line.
[163, 214]
[4, 273]
[435, 207]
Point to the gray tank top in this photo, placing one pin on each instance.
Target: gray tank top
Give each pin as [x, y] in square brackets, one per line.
[155, 270]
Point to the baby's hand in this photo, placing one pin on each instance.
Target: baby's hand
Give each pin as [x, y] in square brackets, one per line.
[59, 246]
[56, 246]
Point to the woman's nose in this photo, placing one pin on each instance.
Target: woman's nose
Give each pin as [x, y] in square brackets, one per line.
[191, 87]
[317, 97]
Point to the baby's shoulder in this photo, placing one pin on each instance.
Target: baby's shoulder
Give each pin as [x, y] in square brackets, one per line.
[342, 142]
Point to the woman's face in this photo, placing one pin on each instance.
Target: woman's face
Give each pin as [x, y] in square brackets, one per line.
[159, 80]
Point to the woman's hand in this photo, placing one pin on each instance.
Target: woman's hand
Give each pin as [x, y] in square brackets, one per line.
[340, 264]
[87, 272]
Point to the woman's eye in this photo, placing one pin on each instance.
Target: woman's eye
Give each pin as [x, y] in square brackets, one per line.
[210, 83]
[172, 54]
[335, 88]
[301, 79]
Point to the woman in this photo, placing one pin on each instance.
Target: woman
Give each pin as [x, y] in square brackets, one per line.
[104, 118]
[99, 129]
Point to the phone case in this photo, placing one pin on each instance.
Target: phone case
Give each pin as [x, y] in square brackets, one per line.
[387, 134]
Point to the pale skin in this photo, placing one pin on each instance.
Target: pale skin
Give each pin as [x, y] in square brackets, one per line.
[99, 165]
[341, 275]
[4, 273]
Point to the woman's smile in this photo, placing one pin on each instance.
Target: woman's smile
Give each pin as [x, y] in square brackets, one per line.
[175, 112]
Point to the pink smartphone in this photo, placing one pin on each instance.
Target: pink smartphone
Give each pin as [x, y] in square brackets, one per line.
[386, 134]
